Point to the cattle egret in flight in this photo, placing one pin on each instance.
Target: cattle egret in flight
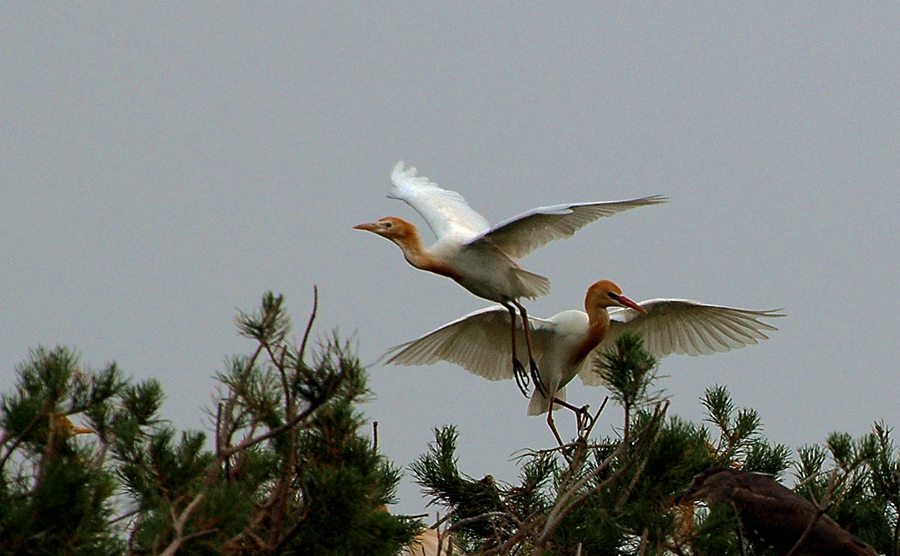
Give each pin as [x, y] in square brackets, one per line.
[567, 343]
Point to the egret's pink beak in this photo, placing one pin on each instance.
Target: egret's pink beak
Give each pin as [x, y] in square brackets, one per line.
[629, 303]
[368, 226]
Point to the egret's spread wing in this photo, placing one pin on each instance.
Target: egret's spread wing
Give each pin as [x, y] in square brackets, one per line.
[682, 326]
[688, 327]
[445, 211]
[586, 372]
[479, 342]
[521, 234]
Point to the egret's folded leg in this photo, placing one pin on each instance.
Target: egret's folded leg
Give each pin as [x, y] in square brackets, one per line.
[518, 369]
[535, 372]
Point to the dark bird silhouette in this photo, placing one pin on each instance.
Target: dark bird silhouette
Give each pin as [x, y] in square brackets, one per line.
[772, 515]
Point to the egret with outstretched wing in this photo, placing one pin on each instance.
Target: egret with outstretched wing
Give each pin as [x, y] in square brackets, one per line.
[567, 343]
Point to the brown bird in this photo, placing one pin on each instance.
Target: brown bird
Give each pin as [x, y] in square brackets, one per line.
[65, 428]
[773, 516]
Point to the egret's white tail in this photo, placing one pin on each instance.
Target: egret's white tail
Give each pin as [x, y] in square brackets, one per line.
[541, 404]
[532, 285]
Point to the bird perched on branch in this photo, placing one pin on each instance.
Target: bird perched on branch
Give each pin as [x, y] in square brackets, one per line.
[567, 343]
[482, 258]
[773, 516]
[66, 429]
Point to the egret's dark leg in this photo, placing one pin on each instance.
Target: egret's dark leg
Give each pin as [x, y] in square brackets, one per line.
[582, 414]
[553, 424]
[518, 368]
[535, 372]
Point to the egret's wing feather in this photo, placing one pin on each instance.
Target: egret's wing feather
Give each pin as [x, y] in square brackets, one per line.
[479, 342]
[587, 374]
[445, 211]
[682, 326]
[689, 327]
[521, 234]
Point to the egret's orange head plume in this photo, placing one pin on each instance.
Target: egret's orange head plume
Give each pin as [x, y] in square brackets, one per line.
[604, 294]
[389, 227]
[603, 287]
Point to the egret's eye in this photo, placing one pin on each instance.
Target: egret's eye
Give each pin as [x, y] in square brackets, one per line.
[387, 225]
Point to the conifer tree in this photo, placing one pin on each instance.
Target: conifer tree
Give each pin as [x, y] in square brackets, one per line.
[285, 470]
[55, 495]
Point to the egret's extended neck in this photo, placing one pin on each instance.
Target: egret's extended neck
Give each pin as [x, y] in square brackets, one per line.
[598, 326]
[411, 245]
[418, 256]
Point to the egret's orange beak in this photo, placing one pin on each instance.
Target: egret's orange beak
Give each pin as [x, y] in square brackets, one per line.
[628, 303]
[368, 226]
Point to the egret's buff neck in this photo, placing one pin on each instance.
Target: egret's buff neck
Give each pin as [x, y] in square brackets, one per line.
[596, 300]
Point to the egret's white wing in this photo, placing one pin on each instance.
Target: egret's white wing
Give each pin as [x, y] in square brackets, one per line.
[445, 211]
[521, 234]
[686, 327]
[478, 342]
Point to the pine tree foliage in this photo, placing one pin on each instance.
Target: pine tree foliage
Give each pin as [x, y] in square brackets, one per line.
[616, 494]
[285, 470]
[861, 489]
[289, 472]
[55, 495]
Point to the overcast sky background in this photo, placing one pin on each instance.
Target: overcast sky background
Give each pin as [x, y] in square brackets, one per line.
[164, 165]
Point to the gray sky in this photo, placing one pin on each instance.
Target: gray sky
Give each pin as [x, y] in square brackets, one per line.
[164, 165]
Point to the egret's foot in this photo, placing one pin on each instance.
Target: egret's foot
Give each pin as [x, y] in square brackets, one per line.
[536, 376]
[522, 380]
[585, 420]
